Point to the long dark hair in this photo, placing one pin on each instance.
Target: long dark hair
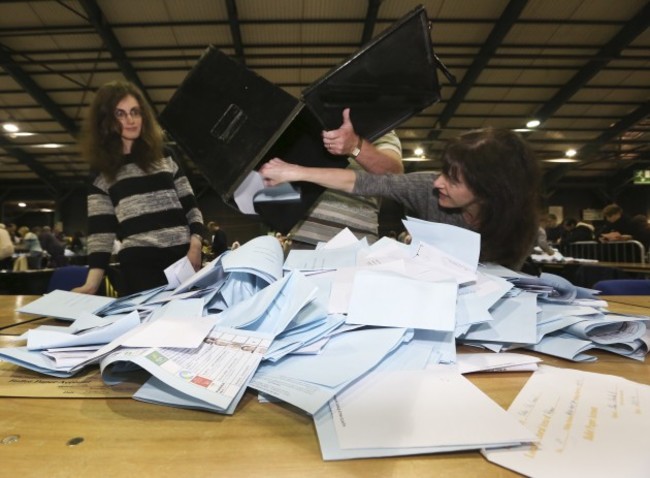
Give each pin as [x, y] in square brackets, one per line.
[101, 143]
[500, 168]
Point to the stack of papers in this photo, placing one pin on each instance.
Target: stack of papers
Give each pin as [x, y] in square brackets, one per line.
[361, 337]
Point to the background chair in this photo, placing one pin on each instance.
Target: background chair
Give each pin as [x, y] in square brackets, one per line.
[623, 287]
[67, 278]
[587, 275]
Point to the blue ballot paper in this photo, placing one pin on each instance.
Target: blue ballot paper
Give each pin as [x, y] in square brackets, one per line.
[214, 375]
[553, 288]
[514, 322]
[422, 411]
[251, 320]
[252, 190]
[309, 381]
[66, 305]
[461, 243]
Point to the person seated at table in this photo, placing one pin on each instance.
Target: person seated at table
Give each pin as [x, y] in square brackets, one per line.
[489, 184]
[543, 241]
[642, 227]
[32, 246]
[12, 229]
[58, 233]
[575, 231]
[618, 225]
[54, 248]
[552, 228]
[6, 249]
[78, 243]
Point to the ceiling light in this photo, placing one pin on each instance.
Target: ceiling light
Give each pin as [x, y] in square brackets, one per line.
[22, 204]
[561, 160]
[570, 153]
[416, 159]
[521, 130]
[10, 127]
[418, 151]
[533, 123]
[46, 210]
[48, 145]
[21, 133]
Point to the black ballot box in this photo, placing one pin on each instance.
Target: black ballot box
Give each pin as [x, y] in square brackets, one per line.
[229, 120]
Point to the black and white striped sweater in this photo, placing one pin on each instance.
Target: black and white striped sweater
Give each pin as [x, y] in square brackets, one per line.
[152, 215]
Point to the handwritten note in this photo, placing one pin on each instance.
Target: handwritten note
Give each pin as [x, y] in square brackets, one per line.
[588, 425]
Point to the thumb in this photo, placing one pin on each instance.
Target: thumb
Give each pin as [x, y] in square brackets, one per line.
[346, 117]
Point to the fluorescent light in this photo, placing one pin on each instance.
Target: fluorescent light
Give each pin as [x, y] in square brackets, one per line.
[418, 151]
[533, 123]
[46, 210]
[22, 204]
[416, 159]
[21, 133]
[522, 130]
[10, 127]
[48, 145]
[570, 153]
[561, 160]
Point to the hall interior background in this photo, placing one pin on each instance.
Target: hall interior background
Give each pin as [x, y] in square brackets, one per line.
[71, 210]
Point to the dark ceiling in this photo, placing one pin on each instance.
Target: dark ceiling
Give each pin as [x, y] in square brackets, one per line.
[582, 67]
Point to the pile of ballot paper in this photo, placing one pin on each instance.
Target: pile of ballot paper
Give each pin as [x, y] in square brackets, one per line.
[362, 337]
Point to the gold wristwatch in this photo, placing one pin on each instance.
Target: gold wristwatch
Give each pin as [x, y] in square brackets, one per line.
[357, 150]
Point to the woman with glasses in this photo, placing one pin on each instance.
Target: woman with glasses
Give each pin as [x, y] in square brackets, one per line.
[138, 196]
[489, 183]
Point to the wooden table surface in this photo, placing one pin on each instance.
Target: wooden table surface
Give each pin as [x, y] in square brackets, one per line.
[642, 268]
[642, 301]
[123, 437]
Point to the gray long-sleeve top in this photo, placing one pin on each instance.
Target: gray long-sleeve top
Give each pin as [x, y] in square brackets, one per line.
[414, 191]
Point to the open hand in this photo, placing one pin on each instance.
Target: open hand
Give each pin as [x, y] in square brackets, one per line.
[276, 172]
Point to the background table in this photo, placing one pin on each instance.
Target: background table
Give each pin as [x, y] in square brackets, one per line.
[123, 437]
[642, 301]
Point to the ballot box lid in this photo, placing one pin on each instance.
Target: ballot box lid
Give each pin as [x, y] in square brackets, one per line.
[390, 79]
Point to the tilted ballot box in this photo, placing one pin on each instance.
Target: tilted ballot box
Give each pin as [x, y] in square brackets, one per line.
[229, 120]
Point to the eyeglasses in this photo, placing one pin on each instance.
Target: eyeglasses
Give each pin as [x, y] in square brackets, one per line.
[134, 113]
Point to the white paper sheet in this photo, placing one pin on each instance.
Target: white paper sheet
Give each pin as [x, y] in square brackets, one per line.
[411, 409]
[65, 305]
[589, 425]
[391, 300]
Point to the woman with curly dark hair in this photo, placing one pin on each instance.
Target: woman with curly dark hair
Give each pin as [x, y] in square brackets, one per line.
[489, 183]
[138, 195]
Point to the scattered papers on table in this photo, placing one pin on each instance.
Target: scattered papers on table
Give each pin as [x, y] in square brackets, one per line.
[362, 337]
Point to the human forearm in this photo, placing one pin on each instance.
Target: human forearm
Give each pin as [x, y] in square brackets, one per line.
[333, 178]
[379, 161]
[93, 281]
[277, 171]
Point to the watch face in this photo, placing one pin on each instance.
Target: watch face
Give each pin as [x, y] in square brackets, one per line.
[355, 152]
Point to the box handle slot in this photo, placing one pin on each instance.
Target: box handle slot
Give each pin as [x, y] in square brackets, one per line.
[229, 124]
